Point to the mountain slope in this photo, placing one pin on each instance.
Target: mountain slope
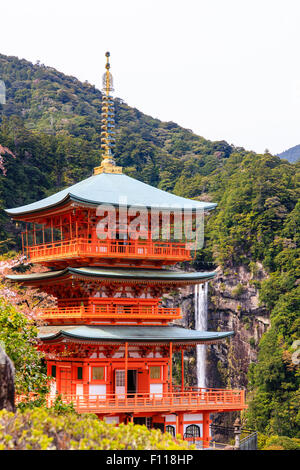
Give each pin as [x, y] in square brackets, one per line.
[59, 105]
[292, 154]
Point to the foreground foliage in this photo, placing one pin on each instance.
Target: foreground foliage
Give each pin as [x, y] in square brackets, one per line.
[42, 429]
[18, 337]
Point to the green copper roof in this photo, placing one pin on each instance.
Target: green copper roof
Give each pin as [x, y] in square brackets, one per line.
[131, 333]
[118, 273]
[116, 190]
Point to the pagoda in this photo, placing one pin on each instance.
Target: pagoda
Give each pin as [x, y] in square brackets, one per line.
[109, 340]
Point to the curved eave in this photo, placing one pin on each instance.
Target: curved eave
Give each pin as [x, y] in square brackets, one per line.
[118, 275]
[131, 334]
[107, 189]
[71, 198]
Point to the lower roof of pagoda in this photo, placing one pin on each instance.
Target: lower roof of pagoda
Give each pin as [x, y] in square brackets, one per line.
[160, 276]
[130, 334]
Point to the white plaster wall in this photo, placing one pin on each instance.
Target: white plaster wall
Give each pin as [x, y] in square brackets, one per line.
[193, 417]
[156, 389]
[112, 419]
[97, 389]
[170, 419]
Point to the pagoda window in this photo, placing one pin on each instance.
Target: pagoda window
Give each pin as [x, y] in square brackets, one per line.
[192, 431]
[155, 372]
[79, 373]
[97, 373]
[171, 430]
[53, 371]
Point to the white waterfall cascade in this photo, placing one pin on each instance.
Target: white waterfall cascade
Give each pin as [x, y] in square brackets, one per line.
[201, 291]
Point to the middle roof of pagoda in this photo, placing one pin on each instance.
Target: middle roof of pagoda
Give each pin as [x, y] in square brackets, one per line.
[114, 189]
[117, 275]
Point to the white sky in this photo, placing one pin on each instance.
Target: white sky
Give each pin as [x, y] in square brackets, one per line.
[227, 69]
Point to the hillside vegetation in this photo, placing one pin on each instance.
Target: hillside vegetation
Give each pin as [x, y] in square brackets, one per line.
[292, 154]
[49, 138]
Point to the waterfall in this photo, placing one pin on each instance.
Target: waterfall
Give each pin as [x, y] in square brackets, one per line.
[201, 324]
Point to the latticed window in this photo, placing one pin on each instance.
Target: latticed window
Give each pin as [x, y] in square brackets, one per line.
[120, 378]
[192, 431]
[98, 373]
[171, 430]
[155, 372]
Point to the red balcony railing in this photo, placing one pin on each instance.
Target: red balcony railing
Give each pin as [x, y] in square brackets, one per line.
[132, 249]
[195, 400]
[97, 313]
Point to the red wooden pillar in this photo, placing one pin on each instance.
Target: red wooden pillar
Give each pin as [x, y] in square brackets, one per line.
[52, 230]
[171, 369]
[58, 378]
[165, 382]
[182, 370]
[206, 429]
[71, 227]
[179, 420]
[126, 367]
[85, 377]
[177, 423]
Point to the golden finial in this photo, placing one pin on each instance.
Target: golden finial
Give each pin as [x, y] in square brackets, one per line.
[108, 164]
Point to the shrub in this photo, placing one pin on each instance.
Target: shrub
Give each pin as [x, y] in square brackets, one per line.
[43, 429]
[282, 442]
[238, 290]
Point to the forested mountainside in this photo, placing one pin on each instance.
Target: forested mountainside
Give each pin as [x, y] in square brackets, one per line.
[49, 138]
[292, 154]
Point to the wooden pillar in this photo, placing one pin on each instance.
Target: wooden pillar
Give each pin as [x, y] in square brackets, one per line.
[23, 252]
[58, 378]
[206, 429]
[177, 424]
[86, 377]
[182, 370]
[165, 382]
[180, 424]
[70, 226]
[171, 369]
[126, 367]
[52, 230]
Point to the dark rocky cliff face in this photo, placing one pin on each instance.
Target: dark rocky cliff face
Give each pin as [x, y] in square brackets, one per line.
[233, 305]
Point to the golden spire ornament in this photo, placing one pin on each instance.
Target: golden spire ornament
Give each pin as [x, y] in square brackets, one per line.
[108, 164]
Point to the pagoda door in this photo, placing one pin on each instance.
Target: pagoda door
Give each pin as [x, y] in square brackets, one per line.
[120, 383]
[65, 380]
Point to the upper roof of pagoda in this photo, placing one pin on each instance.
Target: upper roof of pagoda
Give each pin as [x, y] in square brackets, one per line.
[113, 189]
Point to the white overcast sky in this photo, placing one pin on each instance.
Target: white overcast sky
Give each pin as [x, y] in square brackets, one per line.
[226, 69]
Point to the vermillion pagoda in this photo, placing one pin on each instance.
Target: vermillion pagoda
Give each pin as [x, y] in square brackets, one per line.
[109, 341]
